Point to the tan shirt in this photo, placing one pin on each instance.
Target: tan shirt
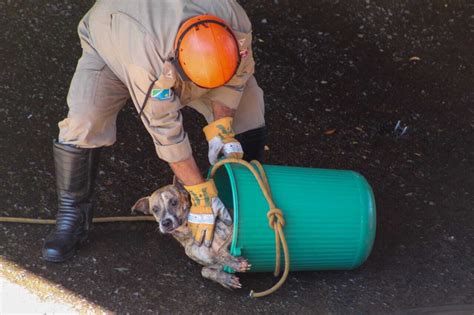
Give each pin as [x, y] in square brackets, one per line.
[136, 37]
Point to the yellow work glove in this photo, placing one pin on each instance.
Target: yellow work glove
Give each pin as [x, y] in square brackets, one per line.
[220, 136]
[206, 207]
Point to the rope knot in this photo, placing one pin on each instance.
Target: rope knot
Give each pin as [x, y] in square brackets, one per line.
[274, 216]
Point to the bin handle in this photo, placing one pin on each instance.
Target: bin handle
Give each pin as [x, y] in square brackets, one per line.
[275, 220]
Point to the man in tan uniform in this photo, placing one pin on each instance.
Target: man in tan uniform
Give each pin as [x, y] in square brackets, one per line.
[129, 51]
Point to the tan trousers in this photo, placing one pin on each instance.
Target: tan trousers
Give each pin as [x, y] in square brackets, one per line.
[96, 96]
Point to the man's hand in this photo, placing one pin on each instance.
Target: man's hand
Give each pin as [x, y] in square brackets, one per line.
[221, 138]
[206, 207]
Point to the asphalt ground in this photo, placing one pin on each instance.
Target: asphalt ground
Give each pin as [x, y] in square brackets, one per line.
[337, 77]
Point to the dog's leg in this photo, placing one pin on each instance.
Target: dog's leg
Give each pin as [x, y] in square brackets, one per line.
[225, 279]
[239, 264]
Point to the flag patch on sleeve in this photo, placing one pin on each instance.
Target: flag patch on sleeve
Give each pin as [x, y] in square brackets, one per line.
[161, 94]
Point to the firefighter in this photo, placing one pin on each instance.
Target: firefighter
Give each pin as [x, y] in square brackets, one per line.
[163, 55]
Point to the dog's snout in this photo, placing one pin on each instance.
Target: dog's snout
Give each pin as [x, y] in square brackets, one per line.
[167, 223]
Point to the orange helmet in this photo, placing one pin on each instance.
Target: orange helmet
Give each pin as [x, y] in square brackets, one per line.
[206, 51]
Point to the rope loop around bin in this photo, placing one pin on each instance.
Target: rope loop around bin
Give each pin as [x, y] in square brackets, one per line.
[275, 217]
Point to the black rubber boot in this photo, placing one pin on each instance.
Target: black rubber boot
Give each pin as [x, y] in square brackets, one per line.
[253, 143]
[76, 169]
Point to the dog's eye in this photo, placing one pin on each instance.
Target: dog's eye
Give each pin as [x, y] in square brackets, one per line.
[173, 202]
[155, 209]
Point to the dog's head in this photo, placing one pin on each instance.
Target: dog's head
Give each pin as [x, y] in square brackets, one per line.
[169, 205]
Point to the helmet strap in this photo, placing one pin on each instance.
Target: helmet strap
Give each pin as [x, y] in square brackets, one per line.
[174, 61]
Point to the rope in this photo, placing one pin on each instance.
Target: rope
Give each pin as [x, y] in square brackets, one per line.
[274, 215]
[95, 220]
[275, 220]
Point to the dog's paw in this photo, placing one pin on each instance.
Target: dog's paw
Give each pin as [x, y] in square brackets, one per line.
[231, 282]
[241, 264]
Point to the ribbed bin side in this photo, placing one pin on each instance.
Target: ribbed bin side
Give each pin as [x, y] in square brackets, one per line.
[329, 214]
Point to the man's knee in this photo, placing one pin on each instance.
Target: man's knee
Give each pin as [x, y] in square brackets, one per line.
[253, 143]
[87, 131]
[95, 97]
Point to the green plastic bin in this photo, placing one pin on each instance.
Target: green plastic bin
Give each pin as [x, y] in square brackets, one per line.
[330, 216]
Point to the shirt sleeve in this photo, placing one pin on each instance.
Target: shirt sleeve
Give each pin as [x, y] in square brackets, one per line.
[230, 94]
[165, 125]
[163, 120]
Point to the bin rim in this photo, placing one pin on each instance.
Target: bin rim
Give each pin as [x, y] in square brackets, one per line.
[234, 250]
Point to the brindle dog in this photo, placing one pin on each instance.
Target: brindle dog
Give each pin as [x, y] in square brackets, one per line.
[170, 206]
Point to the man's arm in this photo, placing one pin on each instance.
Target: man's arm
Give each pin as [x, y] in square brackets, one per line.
[206, 206]
[187, 171]
[221, 111]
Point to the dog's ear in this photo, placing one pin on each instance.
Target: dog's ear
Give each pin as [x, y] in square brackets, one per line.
[177, 183]
[142, 205]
